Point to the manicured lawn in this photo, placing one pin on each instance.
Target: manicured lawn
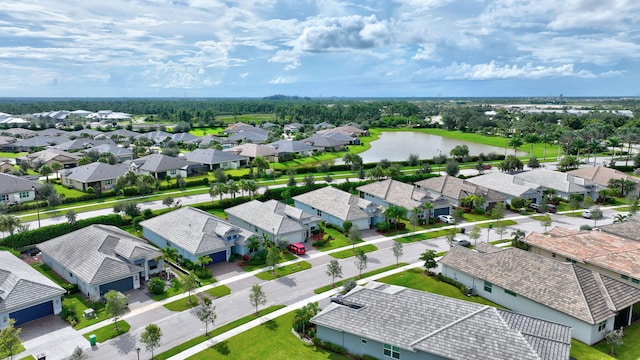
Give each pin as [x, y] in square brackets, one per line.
[109, 332]
[214, 332]
[80, 305]
[469, 217]
[184, 303]
[582, 351]
[424, 236]
[68, 193]
[351, 252]
[630, 349]
[498, 223]
[338, 241]
[281, 344]
[11, 155]
[284, 271]
[28, 357]
[206, 131]
[284, 256]
[419, 280]
[339, 283]
[46, 271]
[218, 212]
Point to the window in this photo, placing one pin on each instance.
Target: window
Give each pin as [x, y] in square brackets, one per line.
[108, 182]
[172, 172]
[570, 260]
[488, 286]
[4, 197]
[510, 292]
[319, 212]
[624, 277]
[24, 194]
[635, 281]
[602, 326]
[391, 351]
[363, 340]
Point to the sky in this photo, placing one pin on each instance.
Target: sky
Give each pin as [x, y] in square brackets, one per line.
[319, 48]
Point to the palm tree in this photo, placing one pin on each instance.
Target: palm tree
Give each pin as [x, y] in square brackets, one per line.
[170, 254]
[203, 260]
[613, 142]
[55, 167]
[9, 223]
[396, 213]
[427, 206]
[515, 142]
[261, 165]
[232, 188]
[45, 170]
[217, 189]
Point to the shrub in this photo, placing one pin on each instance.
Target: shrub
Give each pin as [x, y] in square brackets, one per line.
[136, 222]
[450, 281]
[68, 313]
[156, 286]
[586, 227]
[348, 285]
[383, 226]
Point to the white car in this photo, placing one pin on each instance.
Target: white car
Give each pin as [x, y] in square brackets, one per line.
[586, 214]
[448, 219]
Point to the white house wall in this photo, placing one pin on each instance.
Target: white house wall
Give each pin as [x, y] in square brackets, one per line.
[585, 332]
[92, 291]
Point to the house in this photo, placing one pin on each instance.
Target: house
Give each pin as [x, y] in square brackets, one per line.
[49, 156]
[122, 133]
[16, 190]
[251, 151]
[294, 127]
[249, 136]
[392, 192]
[87, 133]
[274, 219]
[565, 292]
[96, 175]
[160, 166]
[336, 206]
[333, 141]
[323, 126]
[350, 130]
[122, 154]
[563, 184]
[82, 144]
[99, 258]
[194, 233]
[20, 133]
[601, 175]
[37, 142]
[216, 159]
[507, 185]
[628, 228]
[292, 147]
[157, 136]
[5, 142]
[25, 294]
[454, 189]
[388, 321]
[614, 256]
[6, 165]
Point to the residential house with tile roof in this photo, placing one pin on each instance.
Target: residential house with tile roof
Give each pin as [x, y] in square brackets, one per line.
[157, 136]
[194, 233]
[336, 206]
[6, 165]
[25, 294]
[251, 151]
[97, 175]
[601, 175]
[160, 166]
[20, 133]
[16, 190]
[609, 254]
[292, 147]
[628, 228]
[388, 321]
[49, 156]
[564, 184]
[455, 189]
[392, 192]
[82, 144]
[509, 186]
[122, 154]
[330, 141]
[37, 142]
[99, 258]
[274, 219]
[5, 142]
[249, 136]
[87, 133]
[565, 292]
[216, 159]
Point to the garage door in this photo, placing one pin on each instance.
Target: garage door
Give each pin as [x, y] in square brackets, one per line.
[120, 285]
[32, 313]
[218, 257]
[441, 211]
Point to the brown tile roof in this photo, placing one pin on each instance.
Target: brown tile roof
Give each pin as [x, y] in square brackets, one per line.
[456, 188]
[601, 175]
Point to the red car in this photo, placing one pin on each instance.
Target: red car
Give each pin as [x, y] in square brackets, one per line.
[297, 248]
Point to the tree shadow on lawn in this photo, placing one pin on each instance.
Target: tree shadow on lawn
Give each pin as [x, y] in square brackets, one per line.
[222, 348]
[271, 325]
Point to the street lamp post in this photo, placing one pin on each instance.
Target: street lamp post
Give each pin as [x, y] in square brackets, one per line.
[138, 352]
[35, 196]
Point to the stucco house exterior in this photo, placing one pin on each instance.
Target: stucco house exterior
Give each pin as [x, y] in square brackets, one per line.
[194, 233]
[216, 159]
[99, 258]
[25, 294]
[564, 184]
[49, 156]
[388, 321]
[601, 176]
[564, 292]
[454, 189]
[509, 186]
[274, 219]
[392, 192]
[611, 255]
[161, 166]
[16, 190]
[336, 206]
[95, 175]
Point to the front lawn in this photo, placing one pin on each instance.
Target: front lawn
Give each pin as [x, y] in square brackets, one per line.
[338, 240]
[214, 332]
[582, 351]
[192, 301]
[419, 280]
[352, 252]
[281, 344]
[284, 270]
[109, 332]
[79, 304]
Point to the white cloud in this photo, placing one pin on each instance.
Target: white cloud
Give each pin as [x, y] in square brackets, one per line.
[493, 70]
[283, 80]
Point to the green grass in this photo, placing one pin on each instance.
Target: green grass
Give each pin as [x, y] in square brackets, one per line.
[338, 241]
[582, 351]
[214, 332]
[28, 357]
[109, 332]
[218, 212]
[206, 131]
[424, 236]
[11, 155]
[284, 270]
[81, 304]
[284, 256]
[419, 280]
[469, 217]
[281, 344]
[498, 223]
[67, 192]
[351, 252]
[320, 290]
[192, 301]
[629, 350]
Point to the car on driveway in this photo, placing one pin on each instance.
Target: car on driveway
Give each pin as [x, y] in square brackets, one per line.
[462, 242]
[447, 219]
[297, 248]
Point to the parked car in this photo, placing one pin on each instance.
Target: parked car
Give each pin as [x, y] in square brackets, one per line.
[462, 242]
[297, 248]
[552, 208]
[447, 219]
[535, 207]
[586, 214]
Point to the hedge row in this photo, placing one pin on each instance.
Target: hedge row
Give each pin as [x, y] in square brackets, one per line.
[36, 236]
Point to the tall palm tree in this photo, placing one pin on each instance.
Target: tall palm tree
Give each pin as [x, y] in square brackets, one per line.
[217, 189]
[515, 142]
[9, 223]
[170, 254]
[232, 188]
[261, 165]
[613, 142]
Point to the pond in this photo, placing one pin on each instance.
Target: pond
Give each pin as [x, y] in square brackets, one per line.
[398, 145]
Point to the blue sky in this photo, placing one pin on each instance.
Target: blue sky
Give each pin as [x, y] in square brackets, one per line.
[357, 48]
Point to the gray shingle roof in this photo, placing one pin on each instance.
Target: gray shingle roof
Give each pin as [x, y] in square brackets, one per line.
[267, 216]
[565, 287]
[212, 156]
[94, 253]
[114, 149]
[627, 229]
[336, 202]
[21, 285]
[195, 231]
[291, 146]
[504, 183]
[160, 163]
[10, 184]
[96, 171]
[453, 329]
[601, 175]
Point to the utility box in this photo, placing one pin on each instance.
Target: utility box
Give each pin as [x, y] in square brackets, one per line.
[92, 339]
[41, 356]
